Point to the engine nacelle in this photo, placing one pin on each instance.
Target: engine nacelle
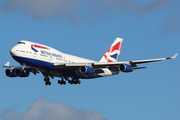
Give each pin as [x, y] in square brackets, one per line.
[24, 74]
[16, 72]
[125, 68]
[21, 73]
[10, 72]
[86, 70]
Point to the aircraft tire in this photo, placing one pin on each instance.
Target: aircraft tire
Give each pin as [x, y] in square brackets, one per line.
[46, 83]
[64, 82]
[79, 82]
[49, 83]
[59, 82]
[75, 82]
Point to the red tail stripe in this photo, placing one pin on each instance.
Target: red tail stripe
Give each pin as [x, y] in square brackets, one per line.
[115, 47]
[108, 60]
[105, 56]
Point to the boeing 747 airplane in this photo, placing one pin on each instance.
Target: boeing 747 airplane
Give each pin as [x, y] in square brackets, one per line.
[35, 58]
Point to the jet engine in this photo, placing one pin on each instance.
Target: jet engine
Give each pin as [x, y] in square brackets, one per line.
[21, 73]
[86, 70]
[16, 72]
[125, 68]
[10, 72]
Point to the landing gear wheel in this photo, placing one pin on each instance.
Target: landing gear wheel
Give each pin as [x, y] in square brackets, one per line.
[71, 82]
[64, 82]
[47, 83]
[61, 82]
[75, 82]
[79, 82]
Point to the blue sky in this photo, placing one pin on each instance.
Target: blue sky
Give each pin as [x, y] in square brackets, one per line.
[150, 29]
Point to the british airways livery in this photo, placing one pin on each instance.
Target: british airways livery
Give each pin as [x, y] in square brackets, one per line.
[35, 58]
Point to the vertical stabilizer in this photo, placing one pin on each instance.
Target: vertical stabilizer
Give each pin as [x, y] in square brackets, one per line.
[113, 52]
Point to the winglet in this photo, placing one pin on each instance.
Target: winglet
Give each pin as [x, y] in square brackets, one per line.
[174, 56]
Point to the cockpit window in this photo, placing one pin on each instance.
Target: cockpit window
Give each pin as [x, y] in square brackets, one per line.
[21, 43]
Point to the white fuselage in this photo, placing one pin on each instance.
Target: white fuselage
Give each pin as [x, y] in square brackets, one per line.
[43, 58]
[43, 53]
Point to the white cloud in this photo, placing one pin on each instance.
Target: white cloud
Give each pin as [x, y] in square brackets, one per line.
[87, 10]
[153, 6]
[42, 9]
[171, 25]
[42, 109]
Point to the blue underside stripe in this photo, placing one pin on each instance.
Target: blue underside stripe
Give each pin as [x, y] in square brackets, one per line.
[36, 63]
[45, 65]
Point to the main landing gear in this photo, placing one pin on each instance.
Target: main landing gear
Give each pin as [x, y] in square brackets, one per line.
[62, 81]
[73, 81]
[47, 82]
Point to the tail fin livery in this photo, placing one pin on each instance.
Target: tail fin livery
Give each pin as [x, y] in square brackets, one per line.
[113, 52]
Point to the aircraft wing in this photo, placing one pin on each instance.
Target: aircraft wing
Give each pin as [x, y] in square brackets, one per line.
[28, 68]
[133, 63]
[72, 66]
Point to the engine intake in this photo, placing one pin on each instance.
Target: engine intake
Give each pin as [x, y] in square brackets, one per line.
[125, 68]
[10, 73]
[21, 73]
[17, 71]
[86, 70]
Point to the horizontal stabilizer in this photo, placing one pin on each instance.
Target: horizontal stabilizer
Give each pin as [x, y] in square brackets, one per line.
[7, 65]
[139, 67]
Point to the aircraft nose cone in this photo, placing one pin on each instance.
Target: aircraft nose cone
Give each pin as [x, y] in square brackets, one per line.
[12, 51]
